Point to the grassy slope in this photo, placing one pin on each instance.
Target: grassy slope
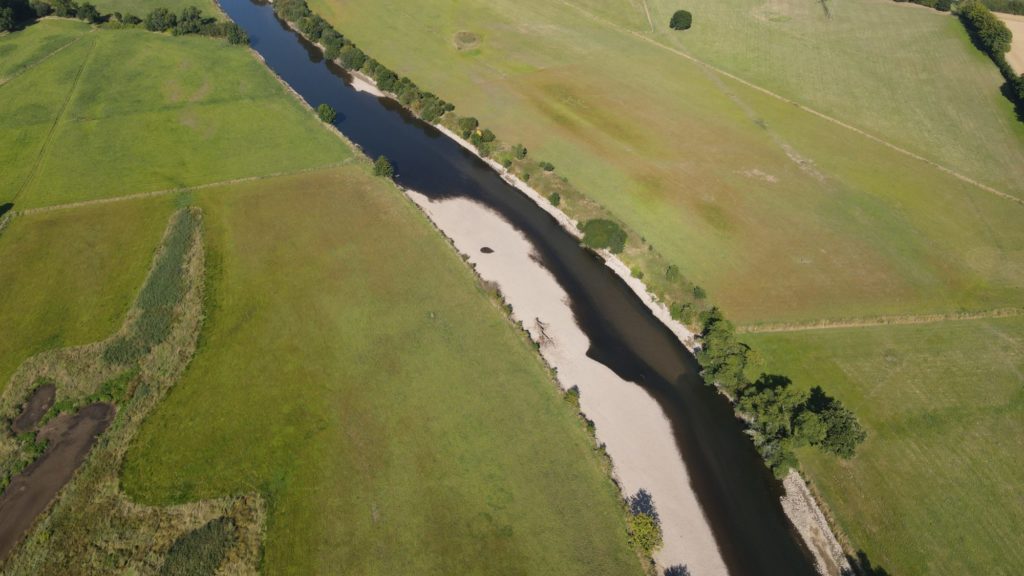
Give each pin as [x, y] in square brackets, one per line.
[156, 112]
[713, 173]
[142, 7]
[936, 488]
[70, 276]
[935, 94]
[350, 370]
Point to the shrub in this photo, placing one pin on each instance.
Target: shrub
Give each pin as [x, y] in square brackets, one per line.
[468, 124]
[546, 166]
[672, 273]
[65, 8]
[383, 167]
[326, 113]
[681, 20]
[519, 151]
[699, 293]
[682, 312]
[235, 33]
[200, 551]
[600, 233]
[988, 30]
[555, 198]
[644, 533]
[160, 20]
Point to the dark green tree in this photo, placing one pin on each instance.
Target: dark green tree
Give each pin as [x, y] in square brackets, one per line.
[352, 57]
[681, 20]
[160, 20]
[383, 167]
[65, 8]
[326, 113]
[89, 13]
[6, 19]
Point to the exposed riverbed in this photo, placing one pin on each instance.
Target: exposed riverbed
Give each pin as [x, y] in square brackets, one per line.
[665, 429]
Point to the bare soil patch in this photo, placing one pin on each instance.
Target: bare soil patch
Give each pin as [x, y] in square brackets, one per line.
[37, 405]
[1015, 57]
[70, 438]
[466, 40]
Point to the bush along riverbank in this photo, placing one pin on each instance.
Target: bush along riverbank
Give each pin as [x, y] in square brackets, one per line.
[780, 417]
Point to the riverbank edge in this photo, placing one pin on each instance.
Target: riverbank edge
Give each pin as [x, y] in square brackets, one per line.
[805, 524]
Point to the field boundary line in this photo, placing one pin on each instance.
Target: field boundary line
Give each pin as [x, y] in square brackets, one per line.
[57, 120]
[879, 321]
[822, 115]
[647, 11]
[166, 191]
[7, 79]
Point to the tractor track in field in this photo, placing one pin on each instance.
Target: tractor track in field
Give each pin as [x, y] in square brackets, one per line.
[41, 156]
[880, 321]
[8, 79]
[179, 189]
[822, 115]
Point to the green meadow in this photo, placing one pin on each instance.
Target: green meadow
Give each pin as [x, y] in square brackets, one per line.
[350, 370]
[127, 111]
[779, 214]
[69, 276]
[784, 216]
[936, 487]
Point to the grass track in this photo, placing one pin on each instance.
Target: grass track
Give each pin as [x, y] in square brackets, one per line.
[935, 490]
[350, 371]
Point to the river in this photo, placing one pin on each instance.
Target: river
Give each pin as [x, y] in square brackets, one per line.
[650, 381]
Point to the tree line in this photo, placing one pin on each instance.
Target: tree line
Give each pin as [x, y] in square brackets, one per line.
[189, 21]
[338, 48]
[780, 417]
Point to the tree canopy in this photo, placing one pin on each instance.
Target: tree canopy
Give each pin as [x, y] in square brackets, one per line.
[681, 20]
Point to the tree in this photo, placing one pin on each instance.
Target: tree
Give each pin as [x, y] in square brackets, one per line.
[6, 19]
[468, 124]
[160, 20]
[352, 57]
[89, 13]
[326, 113]
[41, 8]
[235, 33]
[383, 167]
[681, 20]
[843, 431]
[65, 8]
[599, 233]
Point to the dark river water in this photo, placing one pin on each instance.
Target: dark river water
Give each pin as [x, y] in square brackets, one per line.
[739, 496]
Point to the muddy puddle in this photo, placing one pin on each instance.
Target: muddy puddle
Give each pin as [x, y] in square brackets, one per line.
[70, 437]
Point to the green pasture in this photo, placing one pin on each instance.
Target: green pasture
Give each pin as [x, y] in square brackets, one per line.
[903, 72]
[142, 7]
[936, 487]
[128, 111]
[779, 214]
[69, 276]
[349, 369]
[20, 52]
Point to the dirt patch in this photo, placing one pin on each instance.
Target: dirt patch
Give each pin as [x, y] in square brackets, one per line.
[466, 41]
[37, 405]
[29, 493]
[1015, 57]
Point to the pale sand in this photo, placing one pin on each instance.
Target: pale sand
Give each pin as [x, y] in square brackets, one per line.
[1015, 57]
[637, 434]
[364, 83]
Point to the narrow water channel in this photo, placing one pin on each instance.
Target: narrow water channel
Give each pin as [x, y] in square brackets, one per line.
[739, 498]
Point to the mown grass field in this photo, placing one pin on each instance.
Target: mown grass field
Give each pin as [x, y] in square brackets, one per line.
[781, 215]
[128, 111]
[69, 277]
[142, 7]
[787, 217]
[351, 371]
[936, 487]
